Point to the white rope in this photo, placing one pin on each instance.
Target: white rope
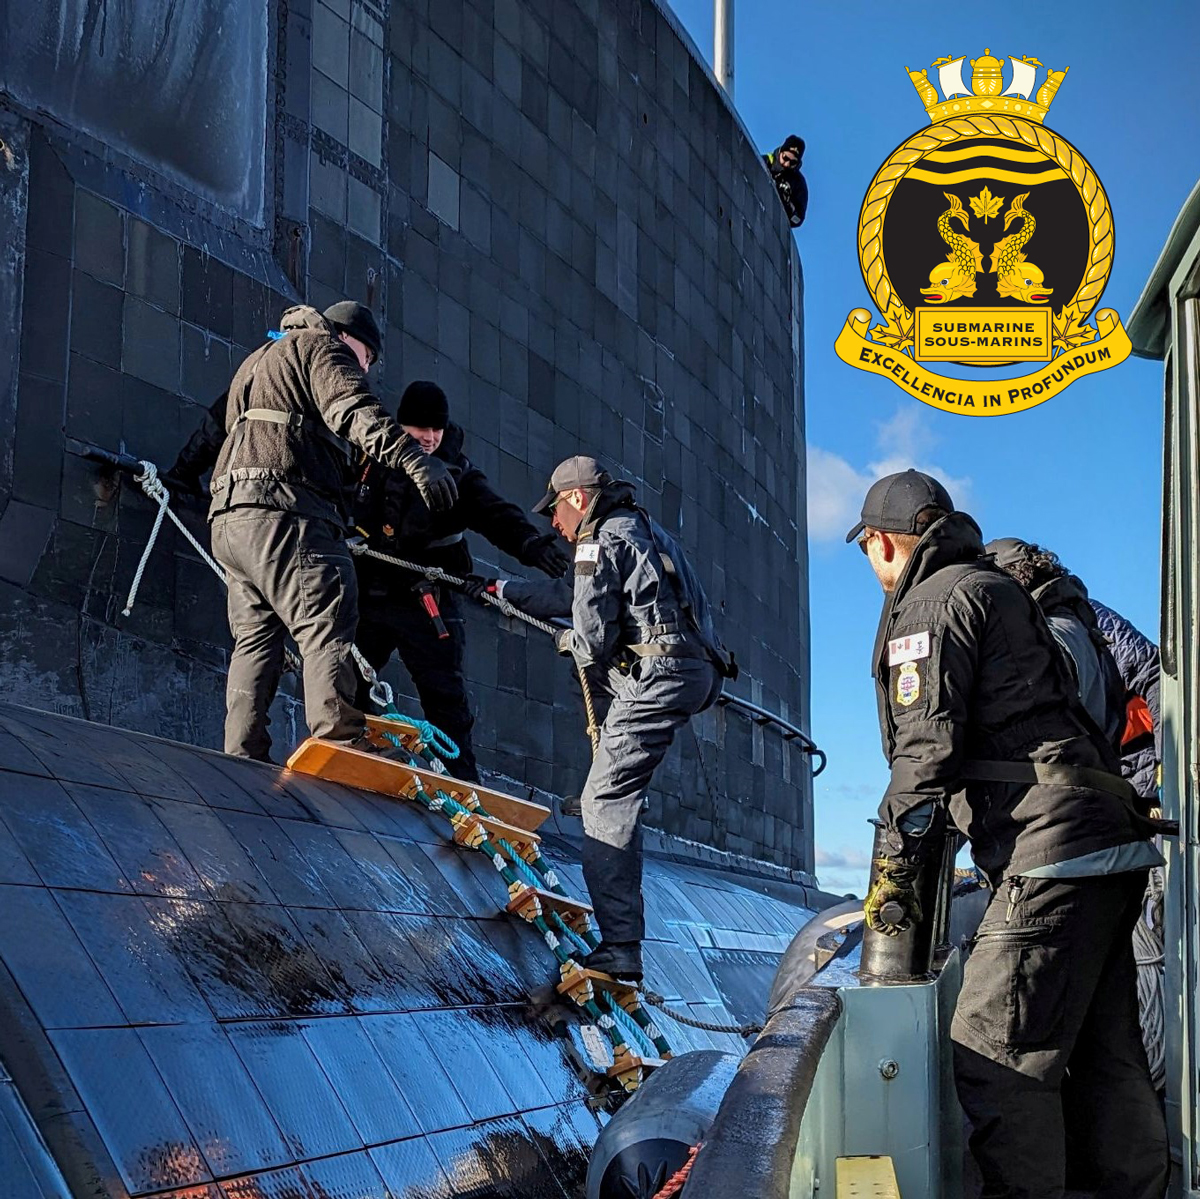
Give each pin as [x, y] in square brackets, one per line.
[153, 487]
[436, 575]
[1148, 953]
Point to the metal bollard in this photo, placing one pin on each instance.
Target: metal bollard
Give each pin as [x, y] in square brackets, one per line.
[908, 956]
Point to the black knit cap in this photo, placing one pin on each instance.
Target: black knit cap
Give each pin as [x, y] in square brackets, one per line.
[792, 142]
[424, 406]
[356, 320]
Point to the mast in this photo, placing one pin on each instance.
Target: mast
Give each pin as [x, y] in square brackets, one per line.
[723, 44]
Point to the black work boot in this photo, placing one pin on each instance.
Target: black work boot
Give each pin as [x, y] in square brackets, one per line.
[620, 959]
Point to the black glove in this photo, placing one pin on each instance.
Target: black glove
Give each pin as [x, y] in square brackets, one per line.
[546, 553]
[432, 477]
[476, 586]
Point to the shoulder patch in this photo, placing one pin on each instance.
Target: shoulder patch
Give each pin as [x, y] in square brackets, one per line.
[587, 551]
[911, 648]
[908, 684]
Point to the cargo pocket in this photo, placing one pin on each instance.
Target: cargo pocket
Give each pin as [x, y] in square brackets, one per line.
[1015, 985]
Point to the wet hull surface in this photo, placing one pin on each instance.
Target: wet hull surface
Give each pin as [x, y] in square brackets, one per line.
[220, 980]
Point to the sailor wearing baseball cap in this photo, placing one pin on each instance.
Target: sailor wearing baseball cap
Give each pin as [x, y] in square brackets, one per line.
[983, 730]
[640, 616]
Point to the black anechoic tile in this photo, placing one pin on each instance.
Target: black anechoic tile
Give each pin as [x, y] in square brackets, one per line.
[417, 1072]
[138, 963]
[50, 964]
[499, 1034]
[358, 978]
[145, 764]
[294, 880]
[207, 292]
[96, 319]
[565, 1136]
[411, 1170]
[329, 802]
[210, 1190]
[288, 1183]
[450, 1037]
[522, 947]
[369, 1093]
[212, 785]
[14, 865]
[99, 238]
[396, 889]
[55, 749]
[329, 859]
[267, 936]
[232, 979]
[495, 977]
[499, 1159]
[547, 1057]
[216, 1097]
[152, 266]
[405, 975]
[455, 980]
[223, 866]
[149, 856]
[56, 837]
[260, 781]
[132, 1109]
[396, 817]
[479, 901]
[296, 1091]
[435, 896]
[45, 312]
[348, 1176]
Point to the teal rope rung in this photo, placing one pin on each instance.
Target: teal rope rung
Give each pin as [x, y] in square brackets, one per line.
[433, 737]
[522, 867]
[637, 1040]
[566, 930]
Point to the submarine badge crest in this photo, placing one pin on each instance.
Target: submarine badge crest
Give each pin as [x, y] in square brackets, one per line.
[986, 241]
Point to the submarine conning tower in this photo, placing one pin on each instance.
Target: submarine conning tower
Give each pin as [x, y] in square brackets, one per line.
[555, 213]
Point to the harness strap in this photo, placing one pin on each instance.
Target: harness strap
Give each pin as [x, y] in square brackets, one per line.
[1056, 773]
[273, 416]
[659, 650]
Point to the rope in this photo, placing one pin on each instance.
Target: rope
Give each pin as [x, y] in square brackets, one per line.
[674, 1184]
[154, 490]
[742, 1030]
[435, 574]
[434, 738]
[1148, 954]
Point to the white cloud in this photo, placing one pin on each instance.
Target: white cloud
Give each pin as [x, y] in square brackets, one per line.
[836, 487]
[851, 859]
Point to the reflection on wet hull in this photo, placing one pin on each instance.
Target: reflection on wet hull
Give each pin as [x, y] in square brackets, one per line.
[246, 985]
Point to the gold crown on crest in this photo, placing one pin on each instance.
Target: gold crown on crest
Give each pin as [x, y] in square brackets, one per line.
[985, 94]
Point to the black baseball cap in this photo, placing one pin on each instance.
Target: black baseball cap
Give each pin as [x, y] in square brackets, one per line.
[581, 471]
[894, 502]
[1008, 551]
[357, 320]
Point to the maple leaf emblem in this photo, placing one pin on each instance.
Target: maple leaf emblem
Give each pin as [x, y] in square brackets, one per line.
[985, 204]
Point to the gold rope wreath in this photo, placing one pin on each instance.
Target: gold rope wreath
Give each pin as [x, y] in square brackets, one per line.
[1069, 331]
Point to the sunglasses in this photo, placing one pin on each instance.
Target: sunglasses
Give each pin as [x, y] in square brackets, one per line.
[864, 541]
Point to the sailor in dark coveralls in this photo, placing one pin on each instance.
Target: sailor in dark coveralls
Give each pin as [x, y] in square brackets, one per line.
[278, 518]
[982, 727]
[639, 614]
[393, 617]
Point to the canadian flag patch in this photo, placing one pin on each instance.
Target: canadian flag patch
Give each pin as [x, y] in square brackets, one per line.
[911, 648]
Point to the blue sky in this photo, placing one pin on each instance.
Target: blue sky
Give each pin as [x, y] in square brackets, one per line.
[1081, 473]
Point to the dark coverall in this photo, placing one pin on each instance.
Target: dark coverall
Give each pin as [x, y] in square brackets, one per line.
[792, 188]
[626, 606]
[970, 682]
[278, 525]
[390, 511]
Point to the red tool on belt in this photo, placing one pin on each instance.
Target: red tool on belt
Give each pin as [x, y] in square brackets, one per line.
[430, 604]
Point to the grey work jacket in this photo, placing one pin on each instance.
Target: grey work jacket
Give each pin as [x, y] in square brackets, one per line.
[622, 594]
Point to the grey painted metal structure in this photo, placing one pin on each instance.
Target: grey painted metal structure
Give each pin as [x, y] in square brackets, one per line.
[1166, 325]
[842, 1070]
[558, 215]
